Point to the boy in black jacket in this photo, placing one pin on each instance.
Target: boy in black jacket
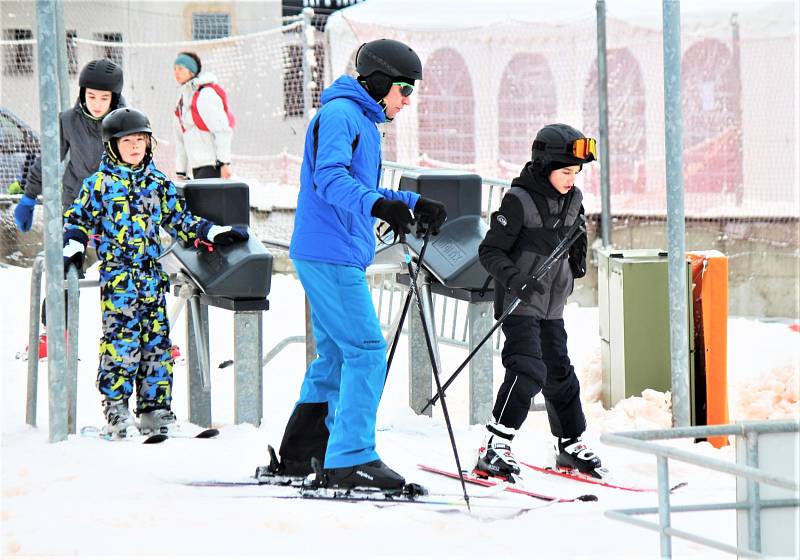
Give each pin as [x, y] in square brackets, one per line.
[533, 217]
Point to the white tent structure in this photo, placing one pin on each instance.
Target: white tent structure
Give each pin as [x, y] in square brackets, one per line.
[495, 72]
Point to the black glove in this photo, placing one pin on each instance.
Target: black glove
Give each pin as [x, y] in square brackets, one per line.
[577, 257]
[74, 251]
[523, 287]
[395, 213]
[227, 235]
[431, 213]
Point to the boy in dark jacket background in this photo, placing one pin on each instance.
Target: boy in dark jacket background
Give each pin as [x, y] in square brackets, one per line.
[533, 217]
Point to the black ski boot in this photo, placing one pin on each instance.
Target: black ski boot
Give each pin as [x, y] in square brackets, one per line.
[374, 474]
[573, 454]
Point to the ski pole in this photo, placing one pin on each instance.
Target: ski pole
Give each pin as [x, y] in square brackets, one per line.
[575, 231]
[434, 365]
[408, 298]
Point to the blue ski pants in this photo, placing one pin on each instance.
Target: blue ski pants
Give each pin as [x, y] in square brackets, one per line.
[350, 369]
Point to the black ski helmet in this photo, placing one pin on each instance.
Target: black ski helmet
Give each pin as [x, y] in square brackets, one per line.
[101, 74]
[383, 61]
[124, 121]
[121, 122]
[553, 143]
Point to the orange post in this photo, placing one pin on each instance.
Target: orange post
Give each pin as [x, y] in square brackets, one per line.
[710, 296]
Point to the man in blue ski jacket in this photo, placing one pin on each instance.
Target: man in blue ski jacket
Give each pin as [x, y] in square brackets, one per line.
[332, 244]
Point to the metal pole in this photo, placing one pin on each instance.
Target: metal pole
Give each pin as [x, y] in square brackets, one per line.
[753, 494]
[602, 99]
[479, 317]
[53, 222]
[309, 62]
[63, 62]
[247, 368]
[676, 234]
[33, 339]
[73, 293]
[662, 468]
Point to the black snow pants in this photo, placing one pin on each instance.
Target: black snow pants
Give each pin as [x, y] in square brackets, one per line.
[535, 358]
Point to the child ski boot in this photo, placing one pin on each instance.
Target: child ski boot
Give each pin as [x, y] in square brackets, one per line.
[119, 420]
[574, 455]
[157, 421]
[495, 458]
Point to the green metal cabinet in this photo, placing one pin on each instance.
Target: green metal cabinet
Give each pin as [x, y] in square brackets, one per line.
[633, 303]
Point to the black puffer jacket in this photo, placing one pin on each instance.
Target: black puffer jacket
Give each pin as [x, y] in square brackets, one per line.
[517, 242]
[81, 137]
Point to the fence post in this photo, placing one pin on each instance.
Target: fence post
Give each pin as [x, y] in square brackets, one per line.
[73, 310]
[248, 371]
[479, 316]
[53, 223]
[676, 224]
[602, 99]
[199, 397]
[420, 379]
[309, 62]
[33, 340]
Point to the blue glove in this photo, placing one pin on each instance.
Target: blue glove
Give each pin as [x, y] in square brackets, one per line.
[23, 213]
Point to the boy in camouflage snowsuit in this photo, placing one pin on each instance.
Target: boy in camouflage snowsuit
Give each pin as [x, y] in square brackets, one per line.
[125, 203]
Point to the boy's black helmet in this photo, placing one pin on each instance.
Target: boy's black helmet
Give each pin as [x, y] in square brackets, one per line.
[103, 75]
[553, 143]
[389, 57]
[124, 121]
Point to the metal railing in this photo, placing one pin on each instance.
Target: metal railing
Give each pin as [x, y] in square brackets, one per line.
[638, 441]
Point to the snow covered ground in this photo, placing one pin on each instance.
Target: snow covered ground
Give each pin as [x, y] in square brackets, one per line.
[89, 498]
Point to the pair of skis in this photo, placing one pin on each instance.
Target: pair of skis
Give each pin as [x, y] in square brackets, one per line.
[95, 432]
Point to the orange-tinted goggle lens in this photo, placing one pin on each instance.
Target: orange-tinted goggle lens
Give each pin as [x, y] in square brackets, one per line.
[584, 147]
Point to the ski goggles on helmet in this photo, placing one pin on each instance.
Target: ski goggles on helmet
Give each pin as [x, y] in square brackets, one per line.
[583, 148]
[406, 89]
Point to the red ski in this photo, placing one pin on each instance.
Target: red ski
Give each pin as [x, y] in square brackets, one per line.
[513, 489]
[580, 477]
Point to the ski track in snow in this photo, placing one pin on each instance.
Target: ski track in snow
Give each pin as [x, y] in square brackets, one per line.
[88, 497]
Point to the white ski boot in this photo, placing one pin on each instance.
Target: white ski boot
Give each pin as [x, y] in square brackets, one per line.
[119, 420]
[157, 421]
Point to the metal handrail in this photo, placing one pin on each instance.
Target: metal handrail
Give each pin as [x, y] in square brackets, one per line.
[637, 441]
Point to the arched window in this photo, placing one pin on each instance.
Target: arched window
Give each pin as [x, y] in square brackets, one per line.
[447, 109]
[526, 103]
[626, 124]
[712, 124]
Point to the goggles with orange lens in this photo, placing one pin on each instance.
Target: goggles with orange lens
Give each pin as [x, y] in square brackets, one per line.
[584, 147]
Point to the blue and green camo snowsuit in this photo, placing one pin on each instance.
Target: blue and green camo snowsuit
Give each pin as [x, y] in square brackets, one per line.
[124, 208]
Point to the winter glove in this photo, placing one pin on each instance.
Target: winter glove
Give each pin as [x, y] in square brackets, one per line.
[577, 257]
[23, 213]
[395, 213]
[14, 188]
[74, 250]
[524, 287]
[430, 212]
[226, 235]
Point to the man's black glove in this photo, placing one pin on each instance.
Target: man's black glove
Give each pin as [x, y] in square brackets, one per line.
[430, 212]
[395, 213]
[524, 287]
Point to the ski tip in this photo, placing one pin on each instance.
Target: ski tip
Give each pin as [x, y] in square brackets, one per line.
[587, 498]
[209, 433]
[678, 486]
[157, 438]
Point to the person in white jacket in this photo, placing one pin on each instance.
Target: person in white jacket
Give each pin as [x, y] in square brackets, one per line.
[203, 123]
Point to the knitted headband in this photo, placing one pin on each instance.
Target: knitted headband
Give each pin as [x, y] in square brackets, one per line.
[187, 62]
